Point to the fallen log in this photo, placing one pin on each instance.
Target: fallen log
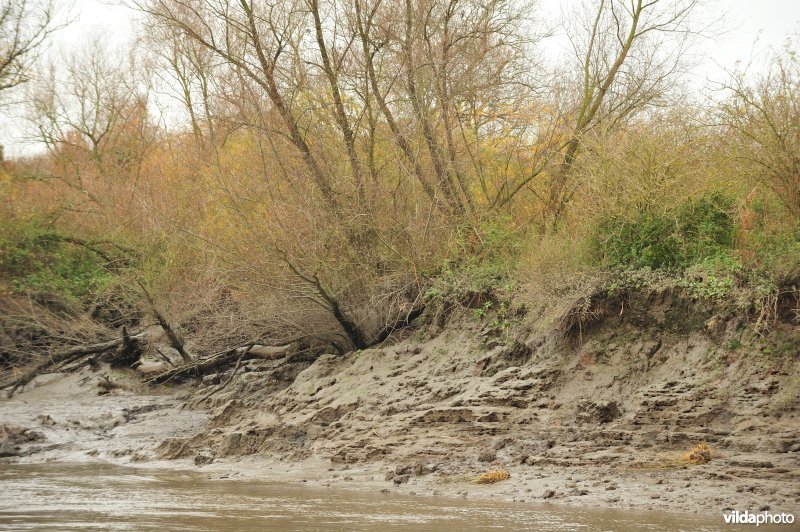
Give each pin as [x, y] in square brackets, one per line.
[222, 359]
[129, 352]
[65, 357]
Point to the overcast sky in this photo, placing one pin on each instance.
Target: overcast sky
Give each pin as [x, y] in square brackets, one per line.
[754, 26]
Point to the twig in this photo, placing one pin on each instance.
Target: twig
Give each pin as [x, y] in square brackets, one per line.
[227, 382]
[165, 357]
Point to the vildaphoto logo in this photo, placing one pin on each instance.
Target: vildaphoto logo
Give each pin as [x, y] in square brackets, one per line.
[757, 518]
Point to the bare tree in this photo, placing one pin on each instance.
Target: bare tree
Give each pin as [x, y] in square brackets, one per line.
[256, 40]
[25, 25]
[332, 65]
[763, 116]
[91, 114]
[628, 54]
[186, 72]
[431, 64]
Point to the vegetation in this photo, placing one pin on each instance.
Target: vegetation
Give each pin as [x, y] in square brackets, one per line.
[700, 230]
[25, 26]
[336, 167]
[492, 477]
[701, 453]
[34, 259]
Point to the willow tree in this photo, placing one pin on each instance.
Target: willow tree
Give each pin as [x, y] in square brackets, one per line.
[627, 55]
[372, 98]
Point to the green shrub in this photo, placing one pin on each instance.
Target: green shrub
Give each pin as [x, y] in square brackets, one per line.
[483, 258]
[697, 231]
[35, 259]
[775, 255]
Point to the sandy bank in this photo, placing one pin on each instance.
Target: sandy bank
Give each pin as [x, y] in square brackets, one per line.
[601, 424]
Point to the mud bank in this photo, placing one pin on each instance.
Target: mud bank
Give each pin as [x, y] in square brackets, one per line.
[602, 419]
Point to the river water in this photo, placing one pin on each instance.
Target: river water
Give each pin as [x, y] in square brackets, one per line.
[93, 496]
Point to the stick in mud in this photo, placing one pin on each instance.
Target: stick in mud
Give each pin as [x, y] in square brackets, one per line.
[227, 382]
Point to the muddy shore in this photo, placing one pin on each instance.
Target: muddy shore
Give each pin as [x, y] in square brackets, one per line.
[601, 423]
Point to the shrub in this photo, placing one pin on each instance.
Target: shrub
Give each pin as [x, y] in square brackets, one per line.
[697, 231]
[34, 259]
[776, 254]
[481, 263]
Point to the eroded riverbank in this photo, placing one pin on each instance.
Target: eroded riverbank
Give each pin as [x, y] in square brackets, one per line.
[425, 418]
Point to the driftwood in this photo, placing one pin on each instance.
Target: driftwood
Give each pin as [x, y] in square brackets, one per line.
[263, 352]
[219, 360]
[67, 356]
[131, 349]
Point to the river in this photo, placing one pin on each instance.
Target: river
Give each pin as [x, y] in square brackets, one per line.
[92, 496]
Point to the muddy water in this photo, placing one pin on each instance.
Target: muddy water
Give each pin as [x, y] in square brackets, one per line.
[98, 496]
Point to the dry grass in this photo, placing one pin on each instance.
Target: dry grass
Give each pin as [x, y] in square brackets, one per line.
[491, 477]
[565, 306]
[31, 330]
[699, 454]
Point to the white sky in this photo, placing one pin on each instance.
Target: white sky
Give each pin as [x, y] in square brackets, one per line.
[754, 26]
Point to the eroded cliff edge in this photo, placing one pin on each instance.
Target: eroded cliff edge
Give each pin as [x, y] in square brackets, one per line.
[597, 409]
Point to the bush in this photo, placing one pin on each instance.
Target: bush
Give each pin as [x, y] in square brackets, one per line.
[697, 231]
[776, 255]
[482, 261]
[35, 259]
